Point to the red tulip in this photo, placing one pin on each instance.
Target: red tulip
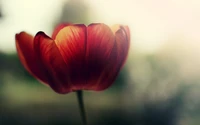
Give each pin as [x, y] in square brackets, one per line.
[77, 57]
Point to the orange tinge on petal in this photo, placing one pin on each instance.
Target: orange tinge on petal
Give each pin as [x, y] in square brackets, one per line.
[48, 52]
[58, 28]
[71, 42]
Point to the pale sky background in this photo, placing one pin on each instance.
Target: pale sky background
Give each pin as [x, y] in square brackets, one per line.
[152, 22]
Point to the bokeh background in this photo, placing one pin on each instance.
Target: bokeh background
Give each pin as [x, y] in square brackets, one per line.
[159, 85]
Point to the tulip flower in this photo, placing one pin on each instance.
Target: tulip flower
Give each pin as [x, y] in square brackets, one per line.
[76, 57]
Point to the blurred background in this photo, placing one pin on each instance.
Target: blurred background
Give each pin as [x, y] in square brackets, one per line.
[159, 85]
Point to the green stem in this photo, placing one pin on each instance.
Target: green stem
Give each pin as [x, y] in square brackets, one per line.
[79, 94]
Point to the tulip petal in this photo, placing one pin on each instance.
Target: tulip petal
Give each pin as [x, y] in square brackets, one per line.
[48, 52]
[118, 56]
[123, 43]
[110, 72]
[24, 45]
[71, 42]
[100, 43]
[58, 28]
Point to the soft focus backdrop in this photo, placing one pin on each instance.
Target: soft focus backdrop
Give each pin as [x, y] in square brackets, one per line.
[159, 85]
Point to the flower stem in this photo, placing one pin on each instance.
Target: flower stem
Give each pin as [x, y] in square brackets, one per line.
[79, 94]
